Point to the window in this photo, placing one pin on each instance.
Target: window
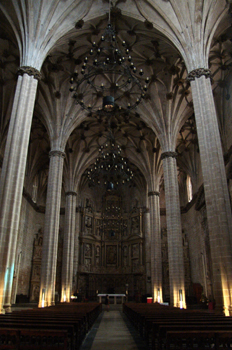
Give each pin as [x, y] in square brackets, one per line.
[189, 188]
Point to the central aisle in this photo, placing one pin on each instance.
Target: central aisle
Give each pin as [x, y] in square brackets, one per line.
[112, 331]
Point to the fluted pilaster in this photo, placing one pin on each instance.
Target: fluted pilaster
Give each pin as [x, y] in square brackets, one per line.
[12, 179]
[215, 186]
[174, 232]
[68, 246]
[51, 229]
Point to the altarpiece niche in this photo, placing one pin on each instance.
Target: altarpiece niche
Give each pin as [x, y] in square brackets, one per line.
[111, 249]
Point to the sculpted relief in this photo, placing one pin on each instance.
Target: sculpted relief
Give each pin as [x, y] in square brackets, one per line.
[111, 255]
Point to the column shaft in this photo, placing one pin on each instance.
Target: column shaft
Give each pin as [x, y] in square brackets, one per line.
[156, 259]
[216, 192]
[51, 230]
[68, 246]
[147, 234]
[12, 180]
[174, 232]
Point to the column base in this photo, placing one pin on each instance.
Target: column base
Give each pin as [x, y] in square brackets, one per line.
[227, 310]
[7, 308]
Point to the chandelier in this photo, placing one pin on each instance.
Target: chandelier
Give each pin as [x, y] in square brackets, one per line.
[109, 80]
[110, 168]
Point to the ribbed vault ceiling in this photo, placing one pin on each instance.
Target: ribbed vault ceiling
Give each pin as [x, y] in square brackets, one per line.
[58, 122]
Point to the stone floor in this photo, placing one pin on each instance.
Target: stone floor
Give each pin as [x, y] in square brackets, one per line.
[113, 331]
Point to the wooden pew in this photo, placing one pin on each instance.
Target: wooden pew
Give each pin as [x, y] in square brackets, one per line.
[200, 339]
[9, 339]
[60, 327]
[155, 321]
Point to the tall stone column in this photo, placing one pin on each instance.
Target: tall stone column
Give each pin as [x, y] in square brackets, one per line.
[156, 259]
[68, 246]
[51, 229]
[174, 232]
[76, 249]
[215, 186]
[147, 234]
[12, 178]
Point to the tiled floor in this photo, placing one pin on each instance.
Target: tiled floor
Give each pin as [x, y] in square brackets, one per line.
[112, 331]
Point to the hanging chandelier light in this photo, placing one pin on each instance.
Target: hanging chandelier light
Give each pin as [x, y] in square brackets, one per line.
[110, 168]
[109, 80]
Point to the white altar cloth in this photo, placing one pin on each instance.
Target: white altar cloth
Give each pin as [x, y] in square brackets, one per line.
[115, 296]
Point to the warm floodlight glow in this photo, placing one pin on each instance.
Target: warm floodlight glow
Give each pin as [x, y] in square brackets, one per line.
[43, 297]
[181, 298]
[158, 295]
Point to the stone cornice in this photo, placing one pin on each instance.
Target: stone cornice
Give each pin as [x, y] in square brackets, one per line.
[197, 73]
[153, 193]
[168, 155]
[70, 193]
[56, 153]
[30, 71]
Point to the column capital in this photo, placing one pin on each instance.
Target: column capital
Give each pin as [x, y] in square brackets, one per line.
[70, 193]
[153, 193]
[169, 154]
[197, 73]
[56, 153]
[30, 71]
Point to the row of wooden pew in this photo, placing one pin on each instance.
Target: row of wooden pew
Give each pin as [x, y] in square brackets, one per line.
[165, 327]
[60, 327]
